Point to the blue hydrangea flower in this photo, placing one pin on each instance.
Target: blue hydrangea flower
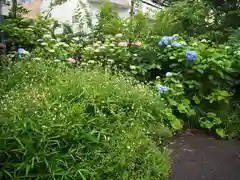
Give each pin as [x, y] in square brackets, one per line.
[162, 89]
[165, 40]
[168, 38]
[191, 55]
[20, 51]
[176, 44]
[160, 43]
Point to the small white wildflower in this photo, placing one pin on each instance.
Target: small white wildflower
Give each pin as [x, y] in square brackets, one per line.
[110, 60]
[57, 45]
[91, 61]
[237, 53]
[64, 44]
[169, 74]
[44, 44]
[195, 44]
[37, 59]
[51, 50]
[83, 64]
[176, 35]
[132, 67]
[204, 40]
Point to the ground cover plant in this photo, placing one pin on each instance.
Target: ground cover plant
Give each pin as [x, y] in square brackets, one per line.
[80, 125]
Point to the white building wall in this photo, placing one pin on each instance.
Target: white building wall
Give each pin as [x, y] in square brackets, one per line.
[66, 11]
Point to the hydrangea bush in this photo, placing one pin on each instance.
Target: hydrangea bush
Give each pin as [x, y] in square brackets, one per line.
[201, 69]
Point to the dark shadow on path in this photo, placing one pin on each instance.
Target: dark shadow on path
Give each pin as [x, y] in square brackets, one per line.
[200, 157]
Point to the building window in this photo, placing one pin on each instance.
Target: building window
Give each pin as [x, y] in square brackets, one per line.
[7, 2]
[25, 1]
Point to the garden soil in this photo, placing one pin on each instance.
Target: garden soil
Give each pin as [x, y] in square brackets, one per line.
[196, 156]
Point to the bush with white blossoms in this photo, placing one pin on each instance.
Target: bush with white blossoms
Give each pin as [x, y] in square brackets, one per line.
[55, 50]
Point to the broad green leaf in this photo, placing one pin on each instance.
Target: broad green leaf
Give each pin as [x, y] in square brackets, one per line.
[220, 132]
[224, 93]
[206, 124]
[217, 121]
[176, 124]
[211, 115]
[182, 108]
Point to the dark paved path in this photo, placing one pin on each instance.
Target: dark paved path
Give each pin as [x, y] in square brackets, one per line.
[200, 157]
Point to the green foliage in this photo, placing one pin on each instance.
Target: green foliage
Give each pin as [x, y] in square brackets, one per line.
[108, 22]
[60, 123]
[24, 32]
[186, 17]
[102, 114]
[197, 89]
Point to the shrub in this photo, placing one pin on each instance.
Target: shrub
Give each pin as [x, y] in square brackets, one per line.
[74, 124]
[25, 32]
[204, 72]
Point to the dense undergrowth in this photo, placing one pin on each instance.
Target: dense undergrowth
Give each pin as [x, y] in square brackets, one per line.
[91, 123]
[101, 105]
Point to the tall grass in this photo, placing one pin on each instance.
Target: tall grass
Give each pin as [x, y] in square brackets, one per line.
[61, 123]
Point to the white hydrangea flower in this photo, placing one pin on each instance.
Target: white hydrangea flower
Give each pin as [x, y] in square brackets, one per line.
[47, 36]
[96, 50]
[118, 35]
[25, 52]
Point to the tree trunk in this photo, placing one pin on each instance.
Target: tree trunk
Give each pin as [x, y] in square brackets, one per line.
[14, 8]
[132, 7]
